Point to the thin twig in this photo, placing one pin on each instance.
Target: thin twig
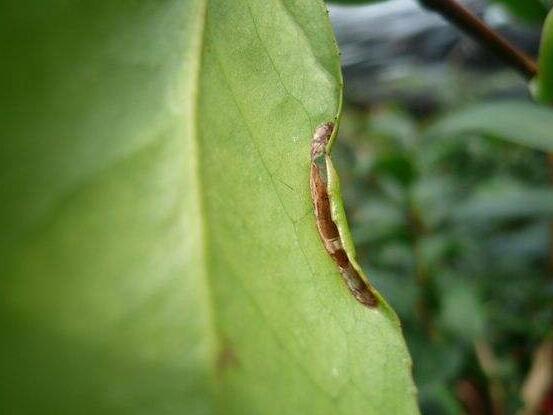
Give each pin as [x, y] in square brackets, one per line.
[469, 23]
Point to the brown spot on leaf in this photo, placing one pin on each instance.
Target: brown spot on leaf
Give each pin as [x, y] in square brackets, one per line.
[226, 359]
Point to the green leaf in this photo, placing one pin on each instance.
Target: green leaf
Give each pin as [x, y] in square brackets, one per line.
[505, 201]
[462, 312]
[159, 248]
[544, 80]
[398, 129]
[518, 122]
[433, 197]
[529, 10]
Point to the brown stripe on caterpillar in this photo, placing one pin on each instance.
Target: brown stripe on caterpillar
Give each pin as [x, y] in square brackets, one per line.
[328, 230]
[358, 286]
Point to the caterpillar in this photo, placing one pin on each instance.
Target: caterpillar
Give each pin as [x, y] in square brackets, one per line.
[328, 230]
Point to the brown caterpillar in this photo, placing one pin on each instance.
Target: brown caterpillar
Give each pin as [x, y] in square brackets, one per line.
[328, 230]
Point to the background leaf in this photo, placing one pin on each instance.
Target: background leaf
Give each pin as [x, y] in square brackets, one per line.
[159, 247]
[519, 122]
[530, 10]
[496, 203]
[545, 72]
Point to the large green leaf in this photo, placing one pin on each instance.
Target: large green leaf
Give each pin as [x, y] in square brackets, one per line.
[545, 73]
[159, 249]
[519, 122]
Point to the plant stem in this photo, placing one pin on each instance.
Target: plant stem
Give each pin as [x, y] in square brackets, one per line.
[469, 23]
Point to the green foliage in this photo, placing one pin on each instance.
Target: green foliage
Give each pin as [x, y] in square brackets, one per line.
[519, 122]
[159, 249]
[529, 10]
[544, 80]
[457, 236]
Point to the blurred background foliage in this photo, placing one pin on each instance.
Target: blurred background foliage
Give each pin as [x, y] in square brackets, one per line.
[448, 185]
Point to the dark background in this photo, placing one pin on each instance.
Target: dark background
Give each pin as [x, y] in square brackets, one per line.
[455, 231]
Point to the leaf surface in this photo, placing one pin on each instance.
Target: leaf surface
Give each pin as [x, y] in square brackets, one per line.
[159, 246]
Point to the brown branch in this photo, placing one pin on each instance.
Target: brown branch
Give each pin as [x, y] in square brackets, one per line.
[469, 23]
